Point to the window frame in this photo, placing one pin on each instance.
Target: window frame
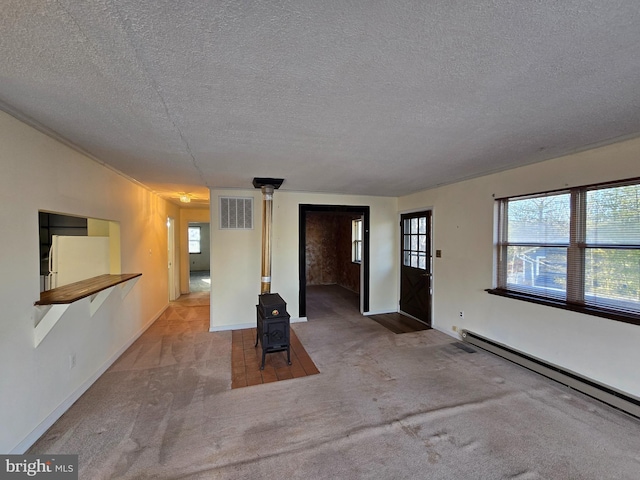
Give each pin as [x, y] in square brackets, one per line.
[194, 227]
[356, 240]
[415, 241]
[575, 298]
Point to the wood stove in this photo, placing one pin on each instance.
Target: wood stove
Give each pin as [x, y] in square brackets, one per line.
[273, 325]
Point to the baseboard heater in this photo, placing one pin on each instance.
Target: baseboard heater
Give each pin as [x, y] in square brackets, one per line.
[615, 398]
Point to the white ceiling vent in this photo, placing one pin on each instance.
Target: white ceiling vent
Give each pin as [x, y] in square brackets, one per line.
[236, 213]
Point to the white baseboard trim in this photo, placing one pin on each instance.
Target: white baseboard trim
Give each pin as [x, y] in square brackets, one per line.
[297, 319]
[600, 391]
[381, 312]
[234, 326]
[46, 424]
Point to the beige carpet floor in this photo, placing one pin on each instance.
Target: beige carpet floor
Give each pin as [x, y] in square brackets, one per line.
[385, 406]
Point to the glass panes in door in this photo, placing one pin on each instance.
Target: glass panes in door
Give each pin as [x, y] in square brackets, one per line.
[415, 242]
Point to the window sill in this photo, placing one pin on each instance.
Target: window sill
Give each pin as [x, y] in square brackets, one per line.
[587, 310]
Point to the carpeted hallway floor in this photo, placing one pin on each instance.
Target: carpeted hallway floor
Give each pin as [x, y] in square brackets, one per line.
[384, 406]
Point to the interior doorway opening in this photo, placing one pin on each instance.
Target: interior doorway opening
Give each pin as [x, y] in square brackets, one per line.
[334, 252]
[199, 257]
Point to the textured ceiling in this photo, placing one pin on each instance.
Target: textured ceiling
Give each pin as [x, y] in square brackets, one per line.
[379, 98]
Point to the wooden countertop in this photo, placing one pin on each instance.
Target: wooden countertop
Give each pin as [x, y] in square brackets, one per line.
[85, 288]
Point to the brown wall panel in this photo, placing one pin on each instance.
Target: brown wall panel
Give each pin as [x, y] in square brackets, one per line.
[328, 251]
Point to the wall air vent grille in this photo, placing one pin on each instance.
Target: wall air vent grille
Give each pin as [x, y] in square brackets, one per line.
[236, 213]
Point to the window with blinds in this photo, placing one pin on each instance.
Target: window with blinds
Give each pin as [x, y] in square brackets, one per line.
[236, 213]
[580, 247]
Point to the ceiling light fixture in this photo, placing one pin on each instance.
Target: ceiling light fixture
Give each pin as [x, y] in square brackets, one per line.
[185, 198]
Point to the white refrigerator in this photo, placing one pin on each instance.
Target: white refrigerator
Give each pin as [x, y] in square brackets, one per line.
[75, 258]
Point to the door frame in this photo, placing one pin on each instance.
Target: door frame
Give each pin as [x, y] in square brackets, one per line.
[199, 224]
[430, 260]
[171, 257]
[364, 211]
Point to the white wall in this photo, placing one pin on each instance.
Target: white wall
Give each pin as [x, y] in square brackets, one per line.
[236, 255]
[463, 227]
[39, 173]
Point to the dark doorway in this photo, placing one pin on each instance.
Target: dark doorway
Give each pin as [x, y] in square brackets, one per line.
[363, 212]
[415, 261]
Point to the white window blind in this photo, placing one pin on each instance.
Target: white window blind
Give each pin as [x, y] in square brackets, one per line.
[612, 248]
[535, 243]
